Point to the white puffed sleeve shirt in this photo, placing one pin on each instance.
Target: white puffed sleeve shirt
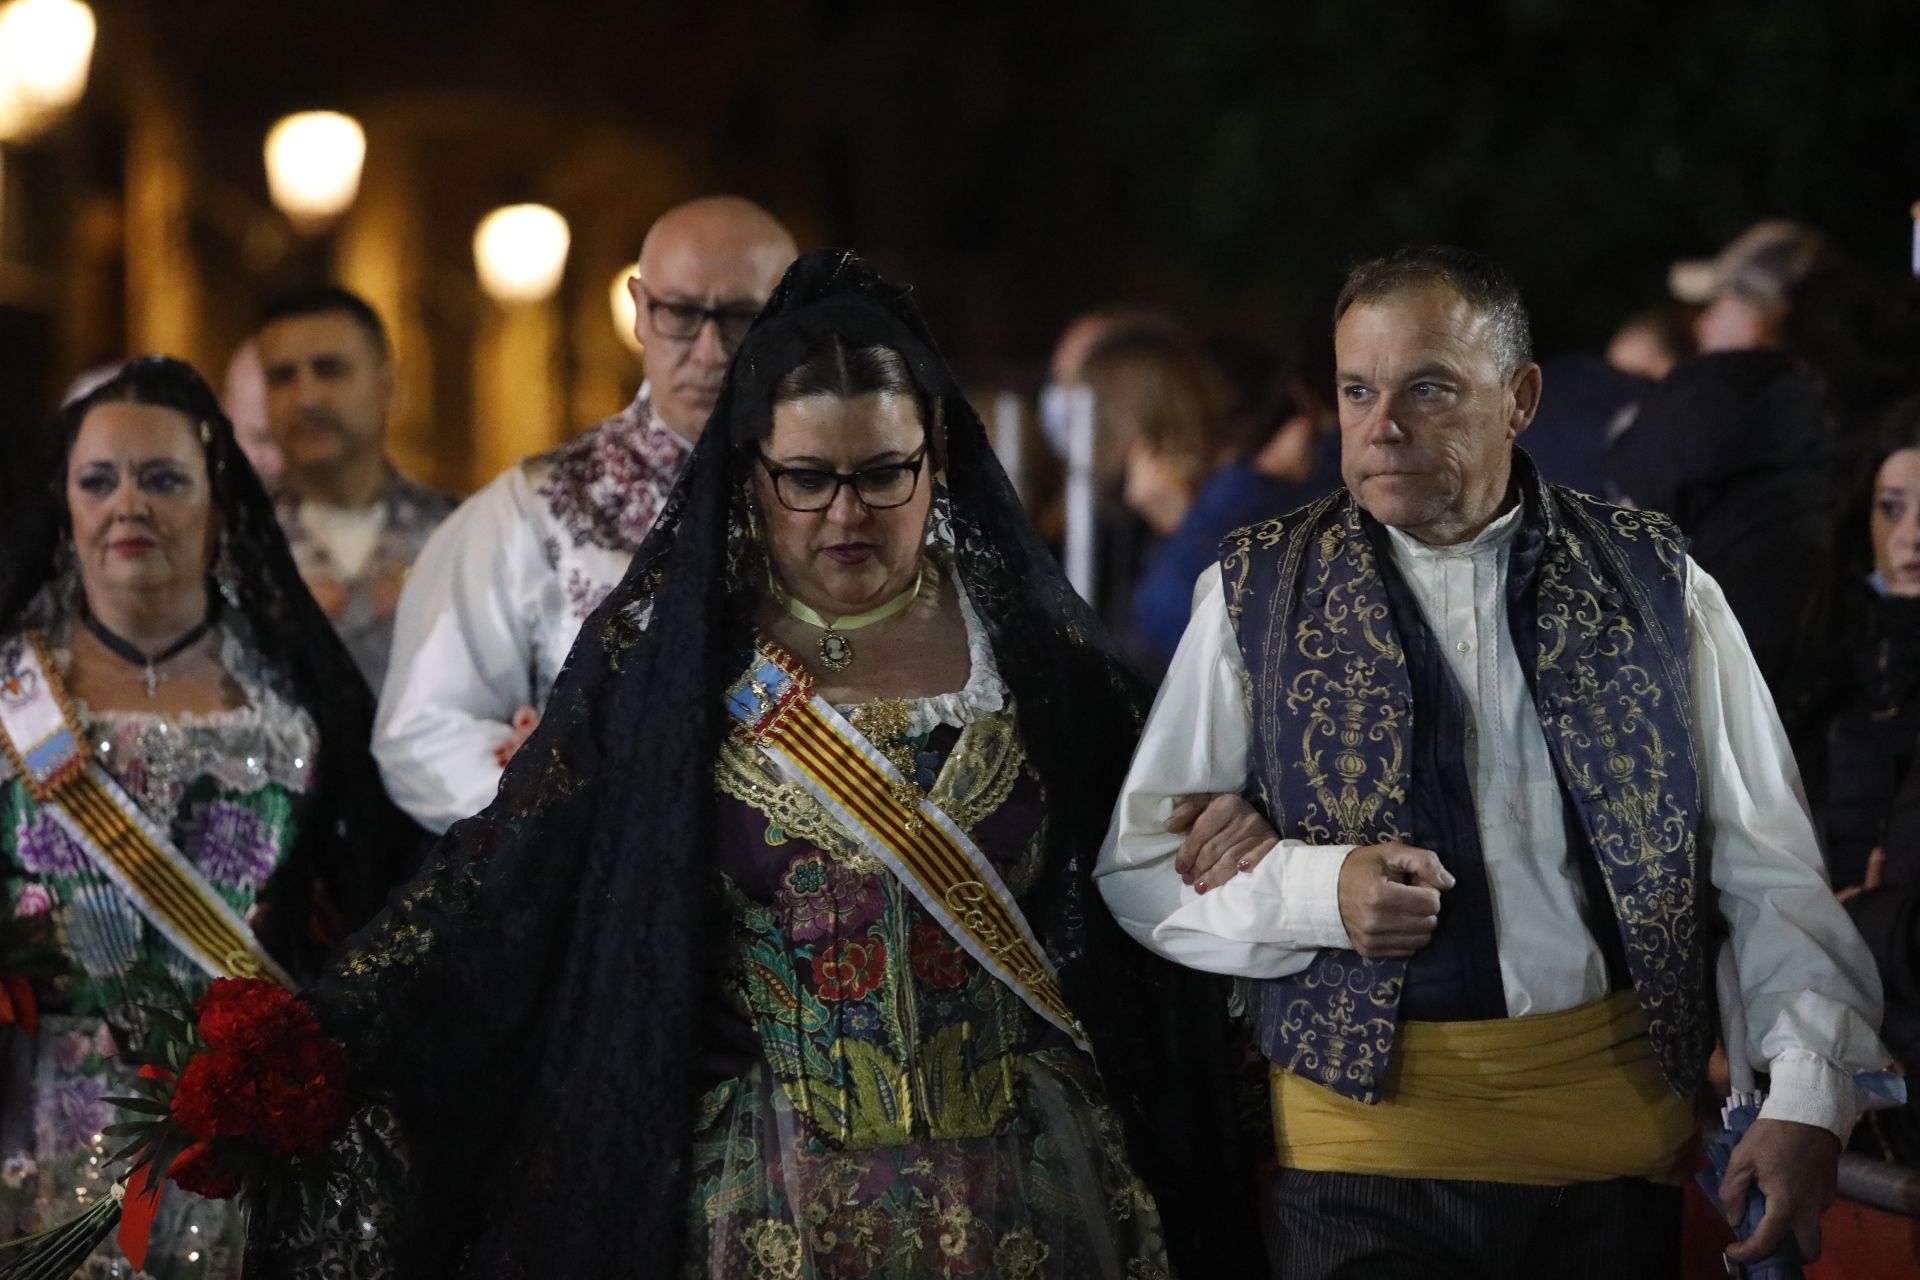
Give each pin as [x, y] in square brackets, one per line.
[496, 599]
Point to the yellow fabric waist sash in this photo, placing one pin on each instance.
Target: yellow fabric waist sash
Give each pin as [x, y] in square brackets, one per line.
[1548, 1099]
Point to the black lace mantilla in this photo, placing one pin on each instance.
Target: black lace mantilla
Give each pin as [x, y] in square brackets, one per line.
[531, 1009]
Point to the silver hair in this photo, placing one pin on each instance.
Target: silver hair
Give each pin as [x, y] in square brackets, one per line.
[1484, 283]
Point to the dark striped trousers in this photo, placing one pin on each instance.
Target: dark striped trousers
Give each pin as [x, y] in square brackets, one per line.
[1350, 1226]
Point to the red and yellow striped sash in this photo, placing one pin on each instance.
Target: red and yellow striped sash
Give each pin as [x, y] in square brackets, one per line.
[939, 863]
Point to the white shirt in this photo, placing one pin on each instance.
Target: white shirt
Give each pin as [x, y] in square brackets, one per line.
[1811, 991]
[496, 599]
[347, 534]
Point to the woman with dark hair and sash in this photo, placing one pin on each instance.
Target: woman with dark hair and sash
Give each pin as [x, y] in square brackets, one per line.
[185, 788]
[777, 954]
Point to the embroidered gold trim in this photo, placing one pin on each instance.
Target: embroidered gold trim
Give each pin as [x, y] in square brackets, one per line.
[975, 780]
[744, 773]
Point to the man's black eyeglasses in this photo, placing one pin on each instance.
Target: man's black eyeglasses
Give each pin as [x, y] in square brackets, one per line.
[684, 320]
[811, 489]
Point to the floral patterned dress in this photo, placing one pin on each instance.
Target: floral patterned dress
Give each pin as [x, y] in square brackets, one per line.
[882, 1106]
[229, 789]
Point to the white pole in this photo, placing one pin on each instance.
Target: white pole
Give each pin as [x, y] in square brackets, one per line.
[1079, 544]
[1006, 439]
[1915, 211]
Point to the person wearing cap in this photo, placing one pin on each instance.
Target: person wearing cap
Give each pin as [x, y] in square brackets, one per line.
[1745, 289]
[1735, 443]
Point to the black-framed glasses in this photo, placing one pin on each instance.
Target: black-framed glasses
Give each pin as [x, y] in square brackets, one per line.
[878, 488]
[684, 320]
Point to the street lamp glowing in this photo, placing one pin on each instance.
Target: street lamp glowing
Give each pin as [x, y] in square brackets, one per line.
[313, 166]
[46, 47]
[624, 312]
[18, 119]
[520, 252]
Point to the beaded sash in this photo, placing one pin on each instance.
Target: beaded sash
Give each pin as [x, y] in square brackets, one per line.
[126, 846]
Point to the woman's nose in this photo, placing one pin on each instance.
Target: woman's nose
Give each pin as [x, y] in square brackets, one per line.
[846, 509]
[129, 502]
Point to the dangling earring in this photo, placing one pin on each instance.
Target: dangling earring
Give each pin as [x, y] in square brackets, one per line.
[754, 536]
[65, 571]
[226, 576]
[940, 516]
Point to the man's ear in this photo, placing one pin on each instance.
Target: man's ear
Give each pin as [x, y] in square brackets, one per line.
[1524, 386]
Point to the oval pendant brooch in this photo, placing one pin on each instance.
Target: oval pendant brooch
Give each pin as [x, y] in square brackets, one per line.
[836, 650]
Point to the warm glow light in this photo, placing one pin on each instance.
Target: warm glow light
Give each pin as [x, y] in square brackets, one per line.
[17, 116]
[46, 47]
[313, 166]
[621, 298]
[520, 252]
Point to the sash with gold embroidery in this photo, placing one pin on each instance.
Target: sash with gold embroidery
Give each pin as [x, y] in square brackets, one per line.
[777, 710]
[37, 729]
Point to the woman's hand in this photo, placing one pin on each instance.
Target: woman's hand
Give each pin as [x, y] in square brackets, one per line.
[1224, 836]
[525, 721]
[1876, 876]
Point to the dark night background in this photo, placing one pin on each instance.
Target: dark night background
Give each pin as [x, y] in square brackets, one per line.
[1227, 159]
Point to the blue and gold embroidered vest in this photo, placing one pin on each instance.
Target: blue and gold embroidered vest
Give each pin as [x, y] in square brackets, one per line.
[1597, 608]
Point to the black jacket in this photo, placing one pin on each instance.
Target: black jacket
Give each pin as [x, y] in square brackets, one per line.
[1854, 716]
[1735, 446]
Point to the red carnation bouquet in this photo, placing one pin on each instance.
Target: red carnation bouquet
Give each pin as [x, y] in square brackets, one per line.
[239, 1094]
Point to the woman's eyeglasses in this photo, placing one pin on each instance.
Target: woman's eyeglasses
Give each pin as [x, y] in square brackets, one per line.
[878, 488]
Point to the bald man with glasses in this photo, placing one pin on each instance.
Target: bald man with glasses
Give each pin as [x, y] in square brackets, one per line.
[497, 596]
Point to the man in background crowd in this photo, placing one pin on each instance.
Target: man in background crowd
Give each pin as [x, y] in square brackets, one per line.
[354, 523]
[501, 590]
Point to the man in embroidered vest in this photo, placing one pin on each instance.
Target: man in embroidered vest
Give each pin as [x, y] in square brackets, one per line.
[1468, 772]
[499, 594]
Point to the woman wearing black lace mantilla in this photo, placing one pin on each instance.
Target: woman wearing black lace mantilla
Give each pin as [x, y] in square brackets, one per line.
[777, 954]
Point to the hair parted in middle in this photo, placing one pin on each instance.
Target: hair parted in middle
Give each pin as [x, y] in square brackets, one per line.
[835, 369]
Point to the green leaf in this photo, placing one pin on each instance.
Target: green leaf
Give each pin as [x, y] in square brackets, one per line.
[168, 1149]
[126, 1127]
[131, 1149]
